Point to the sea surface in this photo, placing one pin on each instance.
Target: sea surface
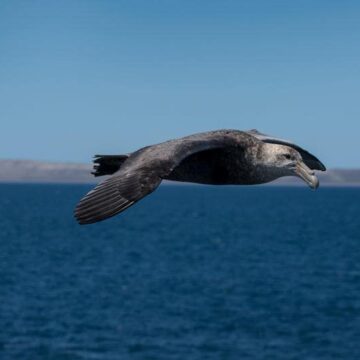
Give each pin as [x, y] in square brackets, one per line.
[188, 273]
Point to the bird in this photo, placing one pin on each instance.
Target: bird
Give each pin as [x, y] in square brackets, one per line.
[219, 157]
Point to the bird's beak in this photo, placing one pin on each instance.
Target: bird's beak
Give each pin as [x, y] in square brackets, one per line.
[307, 175]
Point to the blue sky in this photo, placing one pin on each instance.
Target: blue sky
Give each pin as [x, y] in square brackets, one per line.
[85, 77]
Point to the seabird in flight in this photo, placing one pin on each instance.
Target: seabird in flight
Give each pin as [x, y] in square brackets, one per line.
[222, 157]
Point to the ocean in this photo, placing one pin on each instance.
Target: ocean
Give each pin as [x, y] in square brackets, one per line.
[190, 272]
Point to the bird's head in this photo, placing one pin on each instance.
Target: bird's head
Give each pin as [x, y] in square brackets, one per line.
[285, 161]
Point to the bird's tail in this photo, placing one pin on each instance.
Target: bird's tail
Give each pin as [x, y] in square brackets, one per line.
[107, 164]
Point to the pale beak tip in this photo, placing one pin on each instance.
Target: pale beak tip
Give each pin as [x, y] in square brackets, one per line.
[315, 183]
[307, 175]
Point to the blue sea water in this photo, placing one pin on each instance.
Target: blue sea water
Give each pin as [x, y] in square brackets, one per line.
[189, 273]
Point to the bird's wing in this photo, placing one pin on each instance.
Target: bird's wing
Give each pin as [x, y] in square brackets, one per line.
[310, 160]
[140, 177]
[114, 195]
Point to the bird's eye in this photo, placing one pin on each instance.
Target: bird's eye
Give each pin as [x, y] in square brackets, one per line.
[287, 156]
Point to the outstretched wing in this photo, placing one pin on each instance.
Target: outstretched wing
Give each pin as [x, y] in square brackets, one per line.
[310, 160]
[114, 195]
[139, 176]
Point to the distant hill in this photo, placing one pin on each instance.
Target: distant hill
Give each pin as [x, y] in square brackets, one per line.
[28, 171]
[332, 177]
[25, 171]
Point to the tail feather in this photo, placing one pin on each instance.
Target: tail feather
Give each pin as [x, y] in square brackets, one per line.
[107, 164]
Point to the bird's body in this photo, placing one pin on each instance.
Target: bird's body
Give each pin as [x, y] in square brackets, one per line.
[219, 157]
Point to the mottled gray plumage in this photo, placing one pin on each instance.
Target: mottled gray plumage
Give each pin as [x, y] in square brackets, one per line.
[217, 157]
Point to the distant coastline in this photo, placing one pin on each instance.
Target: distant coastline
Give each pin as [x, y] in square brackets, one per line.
[29, 171]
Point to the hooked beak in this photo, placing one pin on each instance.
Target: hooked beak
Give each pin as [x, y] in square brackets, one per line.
[307, 175]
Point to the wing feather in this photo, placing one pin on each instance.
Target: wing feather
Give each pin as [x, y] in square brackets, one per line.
[114, 195]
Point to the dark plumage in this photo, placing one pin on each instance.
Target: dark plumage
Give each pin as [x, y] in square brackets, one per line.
[217, 157]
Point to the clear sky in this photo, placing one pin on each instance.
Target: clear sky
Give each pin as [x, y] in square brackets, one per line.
[85, 77]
